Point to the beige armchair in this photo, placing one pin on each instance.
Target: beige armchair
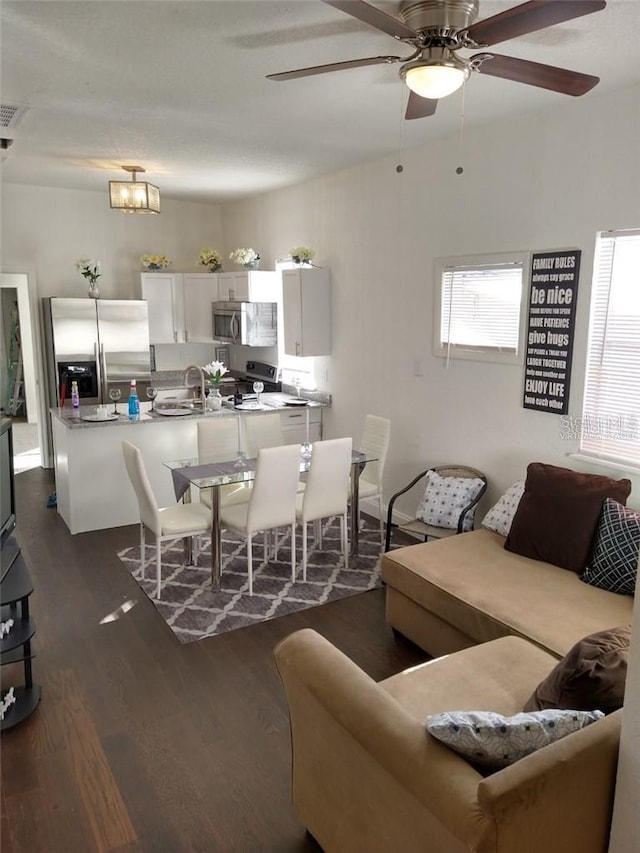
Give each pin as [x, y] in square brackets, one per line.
[367, 778]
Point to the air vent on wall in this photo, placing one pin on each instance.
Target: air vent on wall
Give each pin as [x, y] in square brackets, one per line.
[10, 114]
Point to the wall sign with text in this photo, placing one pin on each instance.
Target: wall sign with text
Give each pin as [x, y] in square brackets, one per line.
[550, 330]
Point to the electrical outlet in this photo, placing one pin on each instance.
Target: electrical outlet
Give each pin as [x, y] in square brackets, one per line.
[417, 367]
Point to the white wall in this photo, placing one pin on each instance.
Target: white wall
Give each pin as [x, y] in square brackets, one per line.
[540, 182]
[45, 230]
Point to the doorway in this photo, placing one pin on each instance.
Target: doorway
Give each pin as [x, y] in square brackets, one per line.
[20, 375]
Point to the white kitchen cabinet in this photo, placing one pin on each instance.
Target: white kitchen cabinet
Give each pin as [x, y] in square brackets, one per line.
[248, 286]
[179, 305]
[306, 301]
[163, 293]
[200, 292]
[294, 424]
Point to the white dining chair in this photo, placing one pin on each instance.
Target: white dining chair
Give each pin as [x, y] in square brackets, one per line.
[262, 431]
[374, 442]
[166, 523]
[218, 442]
[272, 503]
[327, 491]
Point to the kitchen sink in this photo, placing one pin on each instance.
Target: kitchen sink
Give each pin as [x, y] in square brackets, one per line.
[177, 409]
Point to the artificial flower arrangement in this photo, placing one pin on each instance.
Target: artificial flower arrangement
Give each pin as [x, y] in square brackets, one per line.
[210, 258]
[89, 269]
[215, 370]
[301, 254]
[154, 262]
[244, 256]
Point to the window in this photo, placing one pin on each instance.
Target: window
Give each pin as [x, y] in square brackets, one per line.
[610, 425]
[478, 307]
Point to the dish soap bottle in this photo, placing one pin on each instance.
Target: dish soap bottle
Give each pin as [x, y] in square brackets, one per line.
[75, 395]
[134, 402]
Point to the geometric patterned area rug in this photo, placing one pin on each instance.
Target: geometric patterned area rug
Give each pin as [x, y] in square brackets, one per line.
[193, 611]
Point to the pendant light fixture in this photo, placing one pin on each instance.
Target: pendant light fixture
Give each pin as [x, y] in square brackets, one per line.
[134, 196]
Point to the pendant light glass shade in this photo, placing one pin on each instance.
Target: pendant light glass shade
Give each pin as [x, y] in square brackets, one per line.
[134, 196]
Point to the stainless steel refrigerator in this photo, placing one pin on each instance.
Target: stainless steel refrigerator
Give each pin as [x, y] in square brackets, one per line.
[100, 343]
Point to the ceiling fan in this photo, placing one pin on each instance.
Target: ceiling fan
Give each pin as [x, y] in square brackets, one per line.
[438, 29]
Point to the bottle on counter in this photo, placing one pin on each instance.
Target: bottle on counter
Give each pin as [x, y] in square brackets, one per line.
[75, 395]
[134, 402]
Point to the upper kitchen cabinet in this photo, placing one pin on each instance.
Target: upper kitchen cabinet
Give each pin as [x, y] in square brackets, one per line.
[248, 286]
[306, 304]
[200, 291]
[163, 292]
[179, 306]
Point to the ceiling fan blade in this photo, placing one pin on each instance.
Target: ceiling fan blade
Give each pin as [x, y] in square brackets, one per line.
[333, 66]
[529, 17]
[374, 17]
[418, 107]
[535, 74]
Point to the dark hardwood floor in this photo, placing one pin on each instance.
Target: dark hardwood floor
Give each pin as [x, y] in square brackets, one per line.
[141, 743]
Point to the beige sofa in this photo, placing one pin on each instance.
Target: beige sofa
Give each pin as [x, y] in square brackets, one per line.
[453, 593]
[367, 778]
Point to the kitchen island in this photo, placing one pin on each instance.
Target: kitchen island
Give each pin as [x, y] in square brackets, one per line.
[92, 486]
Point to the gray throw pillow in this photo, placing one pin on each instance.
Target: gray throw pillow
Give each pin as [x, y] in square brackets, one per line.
[492, 741]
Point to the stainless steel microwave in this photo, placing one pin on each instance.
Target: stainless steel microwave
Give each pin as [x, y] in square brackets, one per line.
[253, 324]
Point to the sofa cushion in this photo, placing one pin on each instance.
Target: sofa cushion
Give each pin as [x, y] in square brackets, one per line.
[500, 516]
[591, 676]
[613, 564]
[471, 582]
[491, 741]
[444, 499]
[558, 514]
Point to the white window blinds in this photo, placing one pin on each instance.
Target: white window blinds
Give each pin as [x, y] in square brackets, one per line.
[480, 307]
[611, 413]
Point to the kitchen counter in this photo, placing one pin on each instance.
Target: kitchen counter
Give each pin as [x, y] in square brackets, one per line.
[92, 486]
[271, 403]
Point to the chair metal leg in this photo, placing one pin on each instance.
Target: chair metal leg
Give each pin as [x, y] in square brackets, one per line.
[304, 550]
[158, 565]
[143, 561]
[250, 561]
[266, 545]
[381, 519]
[343, 536]
[293, 553]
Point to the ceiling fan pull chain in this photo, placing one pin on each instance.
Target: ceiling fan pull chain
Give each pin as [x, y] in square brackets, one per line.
[403, 98]
[460, 168]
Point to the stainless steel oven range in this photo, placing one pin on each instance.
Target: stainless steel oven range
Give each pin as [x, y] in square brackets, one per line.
[258, 371]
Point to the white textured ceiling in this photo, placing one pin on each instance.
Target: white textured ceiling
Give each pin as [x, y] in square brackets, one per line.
[179, 88]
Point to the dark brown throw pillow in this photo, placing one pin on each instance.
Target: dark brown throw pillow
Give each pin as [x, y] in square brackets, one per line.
[590, 677]
[558, 514]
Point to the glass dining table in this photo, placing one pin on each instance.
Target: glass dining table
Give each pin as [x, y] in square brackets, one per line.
[212, 475]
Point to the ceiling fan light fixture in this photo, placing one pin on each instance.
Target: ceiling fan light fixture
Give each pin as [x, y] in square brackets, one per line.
[435, 79]
[134, 196]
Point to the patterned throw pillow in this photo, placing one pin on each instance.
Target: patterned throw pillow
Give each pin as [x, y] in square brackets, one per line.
[500, 516]
[492, 741]
[614, 560]
[445, 498]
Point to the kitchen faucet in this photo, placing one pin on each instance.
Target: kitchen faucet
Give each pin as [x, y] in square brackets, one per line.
[189, 385]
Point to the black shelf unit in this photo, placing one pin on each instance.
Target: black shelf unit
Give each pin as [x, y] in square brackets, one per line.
[15, 647]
